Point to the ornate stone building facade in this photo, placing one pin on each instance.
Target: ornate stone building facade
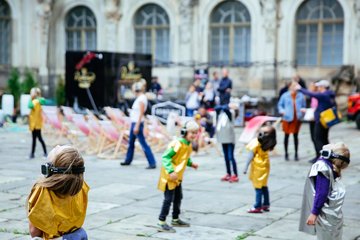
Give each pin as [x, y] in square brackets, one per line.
[262, 42]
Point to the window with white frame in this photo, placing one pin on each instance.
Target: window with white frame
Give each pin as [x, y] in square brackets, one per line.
[152, 33]
[319, 34]
[230, 34]
[5, 33]
[80, 29]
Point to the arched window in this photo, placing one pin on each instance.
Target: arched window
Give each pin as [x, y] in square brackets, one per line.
[5, 33]
[230, 34]
[152, 33]
[320, 30]
[80, 29]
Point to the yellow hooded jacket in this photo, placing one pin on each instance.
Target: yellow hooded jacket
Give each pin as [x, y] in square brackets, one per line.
[174, 159]
[35, 116]
[260, 165]
[56, 215]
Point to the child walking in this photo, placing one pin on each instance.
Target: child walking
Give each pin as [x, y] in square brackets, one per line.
[260, 167]
[324, 194]
[174, 161]
[57, 202]
[36, 120]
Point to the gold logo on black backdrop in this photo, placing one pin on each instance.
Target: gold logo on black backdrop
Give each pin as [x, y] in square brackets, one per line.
[130, 73]
[84, 78]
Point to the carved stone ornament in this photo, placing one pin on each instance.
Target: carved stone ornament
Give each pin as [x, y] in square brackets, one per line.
[44, 10]
[268, 8]
[112, 10]
[186, 11]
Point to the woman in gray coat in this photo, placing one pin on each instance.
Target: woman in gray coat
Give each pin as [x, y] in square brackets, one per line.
[226, 136]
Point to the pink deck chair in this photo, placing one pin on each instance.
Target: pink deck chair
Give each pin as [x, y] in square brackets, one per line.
[112, 140]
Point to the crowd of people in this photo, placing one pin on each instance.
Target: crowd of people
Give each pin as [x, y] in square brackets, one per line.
[63, 192]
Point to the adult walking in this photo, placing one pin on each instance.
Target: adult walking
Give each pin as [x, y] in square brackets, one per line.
[224, 90]
[36, 120]
[290, 105]
[326, 100]
[137, 116]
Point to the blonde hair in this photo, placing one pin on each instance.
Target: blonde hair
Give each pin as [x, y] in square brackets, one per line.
[340, 149]
[35, 92]
[64, 184]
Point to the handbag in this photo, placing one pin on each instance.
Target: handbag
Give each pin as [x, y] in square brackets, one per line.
[330, 117]
[309, 114]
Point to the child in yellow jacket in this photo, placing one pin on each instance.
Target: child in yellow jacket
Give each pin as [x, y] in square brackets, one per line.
[260, 167]
[57, 202]
[36, 120]
[174, 162]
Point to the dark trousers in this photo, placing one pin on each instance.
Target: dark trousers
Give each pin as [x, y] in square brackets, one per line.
[228, 149]
[312, 135]
[296, 143]
[37, 134]
[171, 196]
[321, 136]
[261, 193]
[147, 150]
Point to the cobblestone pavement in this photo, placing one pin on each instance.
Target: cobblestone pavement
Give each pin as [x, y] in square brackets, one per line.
[124, 202]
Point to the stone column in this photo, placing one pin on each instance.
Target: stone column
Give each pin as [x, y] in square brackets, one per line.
[43, 12]
[356, 58]
[270, 25]
[185, 46]
[112, 13]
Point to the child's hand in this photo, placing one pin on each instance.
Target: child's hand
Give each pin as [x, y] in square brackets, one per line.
[311, 219]
[194, 166]
[173, 176]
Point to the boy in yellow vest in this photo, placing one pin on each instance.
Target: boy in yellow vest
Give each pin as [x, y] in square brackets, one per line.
[174, 161]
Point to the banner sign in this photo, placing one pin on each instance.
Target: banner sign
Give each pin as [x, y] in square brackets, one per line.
[162, 110]
[106, 74]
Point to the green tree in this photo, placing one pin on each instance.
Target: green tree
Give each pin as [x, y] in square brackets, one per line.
[29, 82]
[13, 85]
[60, 91]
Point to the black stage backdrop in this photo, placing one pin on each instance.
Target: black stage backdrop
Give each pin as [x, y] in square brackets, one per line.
[111, 71]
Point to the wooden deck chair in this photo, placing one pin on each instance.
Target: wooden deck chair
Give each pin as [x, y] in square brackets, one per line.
[121, 121]
[84, 139]
[57, 131]
[111, 140]
[68, 113]
[156, 134]
[253, 126]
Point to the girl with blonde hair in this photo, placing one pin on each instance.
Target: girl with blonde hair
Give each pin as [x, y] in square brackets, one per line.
[57, 202]
[36, 120]
[324, 194]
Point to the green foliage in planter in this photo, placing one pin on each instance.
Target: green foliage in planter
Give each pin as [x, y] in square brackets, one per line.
[13, 85]
[29, 82]
[60, 92]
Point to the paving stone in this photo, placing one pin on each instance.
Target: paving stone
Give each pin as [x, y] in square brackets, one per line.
[124, 202]
[285, 229]
[95, 207]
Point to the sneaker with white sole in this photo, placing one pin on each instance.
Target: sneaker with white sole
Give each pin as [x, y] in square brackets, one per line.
[179, 223]
[164, 227]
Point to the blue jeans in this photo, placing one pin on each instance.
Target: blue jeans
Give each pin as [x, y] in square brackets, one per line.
[259, 194]
[130, 153]
[228, 149]
[79, 234]
[190, 112]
